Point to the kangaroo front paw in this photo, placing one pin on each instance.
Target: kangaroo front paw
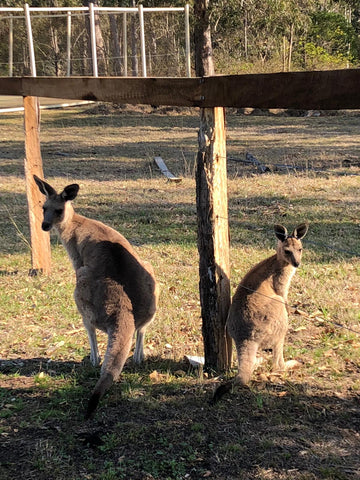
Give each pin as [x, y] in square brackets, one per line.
[95, 360]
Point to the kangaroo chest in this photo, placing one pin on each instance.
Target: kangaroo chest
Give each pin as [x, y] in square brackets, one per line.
[282, 280]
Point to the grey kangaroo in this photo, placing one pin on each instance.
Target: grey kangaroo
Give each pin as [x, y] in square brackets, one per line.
[115, 292]
[258, 316]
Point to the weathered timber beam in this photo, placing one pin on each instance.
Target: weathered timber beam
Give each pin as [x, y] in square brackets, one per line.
[329, 90]
[333, 89]
[153, 91]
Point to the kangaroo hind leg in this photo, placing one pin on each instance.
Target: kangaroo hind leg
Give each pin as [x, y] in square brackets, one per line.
[246, 351]
[95, 358]
[83, 296]
[118, 348]
[278, 355]
[139, 356]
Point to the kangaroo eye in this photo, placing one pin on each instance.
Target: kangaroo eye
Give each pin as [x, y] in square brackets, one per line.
[287, 252]
[58, 211]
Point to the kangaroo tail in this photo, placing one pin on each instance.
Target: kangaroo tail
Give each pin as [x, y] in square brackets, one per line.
[118, 348]
[102, 386]
[221, 391]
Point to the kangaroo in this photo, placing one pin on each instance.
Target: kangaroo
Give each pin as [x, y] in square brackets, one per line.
[115, 292]
[258, 316]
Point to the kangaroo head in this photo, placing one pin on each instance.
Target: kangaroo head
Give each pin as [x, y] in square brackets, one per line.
[55, 203]
[289, 247]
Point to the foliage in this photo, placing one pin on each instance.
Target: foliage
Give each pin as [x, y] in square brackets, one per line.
[272, 35]
[252, 35]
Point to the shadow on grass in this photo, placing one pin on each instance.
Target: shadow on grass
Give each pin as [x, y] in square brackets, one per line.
[165, 429]
[155, 222]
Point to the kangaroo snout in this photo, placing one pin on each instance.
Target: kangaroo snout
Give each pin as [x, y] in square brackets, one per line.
[46, 226]
[296, 263]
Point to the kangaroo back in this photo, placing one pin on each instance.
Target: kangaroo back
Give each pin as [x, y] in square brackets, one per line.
[115, 290]
[258, 314]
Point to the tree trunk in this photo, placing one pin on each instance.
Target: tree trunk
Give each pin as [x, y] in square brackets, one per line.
[134, 58]
[100, 45]
[246, 35]
[204, 65]
[212, 211]
[56, 50]
[115, 45]
[291, 41]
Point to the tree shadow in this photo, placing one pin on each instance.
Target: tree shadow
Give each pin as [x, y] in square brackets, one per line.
[167, 429]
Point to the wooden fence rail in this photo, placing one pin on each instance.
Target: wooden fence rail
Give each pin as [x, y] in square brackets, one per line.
[335, 89]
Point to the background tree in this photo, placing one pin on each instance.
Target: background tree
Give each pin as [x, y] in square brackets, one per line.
[247, 36]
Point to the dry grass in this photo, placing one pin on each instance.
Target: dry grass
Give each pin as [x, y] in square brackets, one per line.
[302, 425]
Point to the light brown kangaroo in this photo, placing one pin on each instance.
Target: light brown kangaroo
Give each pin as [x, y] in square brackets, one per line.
[258, 316]
[115, 291]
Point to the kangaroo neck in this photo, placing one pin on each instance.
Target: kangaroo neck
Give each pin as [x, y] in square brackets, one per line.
[282, 277]
[66, 230]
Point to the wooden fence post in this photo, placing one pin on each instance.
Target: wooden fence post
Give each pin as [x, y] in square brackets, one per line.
[213, 238]
[212, 209]
[40, 240]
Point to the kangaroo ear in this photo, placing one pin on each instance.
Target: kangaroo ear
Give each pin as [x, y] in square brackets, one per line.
[70, 192]
[300, 231]
[280, 232]
[44, 187]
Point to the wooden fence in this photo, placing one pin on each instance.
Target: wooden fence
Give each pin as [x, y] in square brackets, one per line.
[336, 89]
[299, 90]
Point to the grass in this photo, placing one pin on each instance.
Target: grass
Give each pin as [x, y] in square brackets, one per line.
[156, 423]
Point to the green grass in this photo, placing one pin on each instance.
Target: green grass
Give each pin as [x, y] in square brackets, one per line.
[156, 423]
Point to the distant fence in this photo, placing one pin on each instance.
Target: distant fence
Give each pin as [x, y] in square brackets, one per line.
[67, 12]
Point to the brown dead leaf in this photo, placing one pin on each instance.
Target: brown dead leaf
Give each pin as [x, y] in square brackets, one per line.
[316, 313]
[298, 329]
[154, 376]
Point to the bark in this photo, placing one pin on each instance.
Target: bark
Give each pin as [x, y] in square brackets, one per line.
[56, 50]
[115, 45]
[213, 238]
[133, 41]
[204, 65]
[100, 45]
[212, 210]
